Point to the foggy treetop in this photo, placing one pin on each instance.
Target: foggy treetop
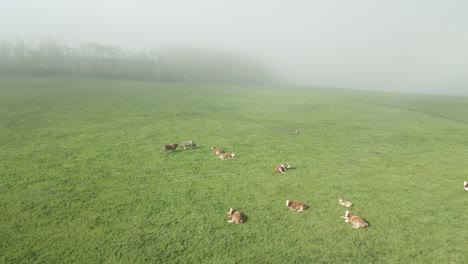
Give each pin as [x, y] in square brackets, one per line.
[106, 61]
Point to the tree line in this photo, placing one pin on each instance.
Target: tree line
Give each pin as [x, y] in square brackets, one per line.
[107, 61]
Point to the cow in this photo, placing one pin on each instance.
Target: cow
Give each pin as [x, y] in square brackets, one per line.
[355, 220]
[171, 147]
[282, 168]
[217, 150]
[294, 205]
[345, 203]
[187, 144]
[235, 216]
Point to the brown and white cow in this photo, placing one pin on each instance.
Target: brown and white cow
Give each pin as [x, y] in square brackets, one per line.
[235, 216]
[294, 205]
[282, 168]
[217, 150]
[355, 220]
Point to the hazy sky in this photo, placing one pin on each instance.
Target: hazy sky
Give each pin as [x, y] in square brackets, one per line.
[404, 45]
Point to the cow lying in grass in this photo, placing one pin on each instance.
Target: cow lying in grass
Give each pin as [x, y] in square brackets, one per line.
[355, 220]
[227, 155]
[345, 203]
[171, 147]
[294, 205]
[235, 216]
[282, 168]
[217, 150]
[465, 185]
[187, 144]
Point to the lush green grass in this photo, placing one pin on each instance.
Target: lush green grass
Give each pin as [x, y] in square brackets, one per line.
[83, 178]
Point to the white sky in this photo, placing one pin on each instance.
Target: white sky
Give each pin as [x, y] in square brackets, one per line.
[402, 45]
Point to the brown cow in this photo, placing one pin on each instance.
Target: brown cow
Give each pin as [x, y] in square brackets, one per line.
[235, 216]
[171, 147]
[217, 150]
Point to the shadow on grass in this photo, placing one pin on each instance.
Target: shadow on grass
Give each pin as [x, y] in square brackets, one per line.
[368, 223]
[245, 218]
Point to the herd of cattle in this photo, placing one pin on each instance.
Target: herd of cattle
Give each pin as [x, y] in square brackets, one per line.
[236, 217]
[221, 154]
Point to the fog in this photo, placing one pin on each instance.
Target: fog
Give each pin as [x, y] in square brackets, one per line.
[394, 45]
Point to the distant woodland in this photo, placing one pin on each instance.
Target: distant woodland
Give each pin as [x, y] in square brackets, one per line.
[106, 61]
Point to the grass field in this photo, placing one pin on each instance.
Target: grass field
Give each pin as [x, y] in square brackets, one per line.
[83, 177]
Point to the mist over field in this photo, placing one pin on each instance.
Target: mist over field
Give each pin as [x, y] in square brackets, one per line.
[92, 93]
[405, 46]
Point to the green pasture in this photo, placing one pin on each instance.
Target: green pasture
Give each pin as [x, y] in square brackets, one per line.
[83, 178]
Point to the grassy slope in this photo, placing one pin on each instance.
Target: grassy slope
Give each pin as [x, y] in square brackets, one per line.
[84, 180]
